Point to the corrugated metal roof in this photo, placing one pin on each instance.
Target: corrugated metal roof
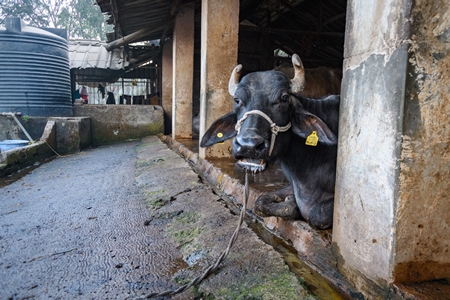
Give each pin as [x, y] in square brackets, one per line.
[84, 54]
[91, 63]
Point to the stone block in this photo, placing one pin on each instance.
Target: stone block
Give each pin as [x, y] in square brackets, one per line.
[72, 134]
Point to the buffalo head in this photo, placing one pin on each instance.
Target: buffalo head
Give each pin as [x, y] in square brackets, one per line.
[265, 115]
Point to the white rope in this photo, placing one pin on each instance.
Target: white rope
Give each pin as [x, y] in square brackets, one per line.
[219, 260]
[274, 127]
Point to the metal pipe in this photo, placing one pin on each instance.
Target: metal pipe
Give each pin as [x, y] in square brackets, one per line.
[18, 123]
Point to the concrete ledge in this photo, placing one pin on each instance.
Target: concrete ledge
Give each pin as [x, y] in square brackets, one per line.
[117, 123]
[15, 159]
[313, 246]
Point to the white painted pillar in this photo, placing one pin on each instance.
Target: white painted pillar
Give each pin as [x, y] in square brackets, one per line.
[219, 50]
[183, 72]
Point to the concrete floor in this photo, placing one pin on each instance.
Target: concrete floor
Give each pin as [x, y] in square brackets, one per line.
[125, 220]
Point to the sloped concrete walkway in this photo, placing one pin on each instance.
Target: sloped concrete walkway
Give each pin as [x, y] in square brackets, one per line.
[124, 220]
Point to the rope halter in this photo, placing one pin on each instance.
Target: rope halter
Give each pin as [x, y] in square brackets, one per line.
[274, 127]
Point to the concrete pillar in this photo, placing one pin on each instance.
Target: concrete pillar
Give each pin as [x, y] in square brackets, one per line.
[167, 85]
[392, 208]
[219, 50]
[183, 72]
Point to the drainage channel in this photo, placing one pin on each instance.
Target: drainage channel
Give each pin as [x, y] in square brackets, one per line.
[309, 278]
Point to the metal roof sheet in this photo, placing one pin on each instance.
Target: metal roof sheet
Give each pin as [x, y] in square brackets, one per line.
[90, 62]
[84, 54]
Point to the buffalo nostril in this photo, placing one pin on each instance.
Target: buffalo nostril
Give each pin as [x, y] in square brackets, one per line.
[249, 146]
[261, 147]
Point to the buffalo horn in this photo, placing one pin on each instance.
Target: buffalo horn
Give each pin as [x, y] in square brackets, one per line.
[298, 82]
[234, 79]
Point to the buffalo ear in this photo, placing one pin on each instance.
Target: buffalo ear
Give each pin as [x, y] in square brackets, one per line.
[304, 123]
[222, 129]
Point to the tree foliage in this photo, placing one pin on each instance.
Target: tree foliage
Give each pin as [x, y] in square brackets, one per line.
[81, 18]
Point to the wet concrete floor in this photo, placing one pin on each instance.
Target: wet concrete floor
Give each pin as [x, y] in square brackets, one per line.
[121, 221]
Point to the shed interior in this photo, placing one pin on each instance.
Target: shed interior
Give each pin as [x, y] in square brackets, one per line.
[269, 32]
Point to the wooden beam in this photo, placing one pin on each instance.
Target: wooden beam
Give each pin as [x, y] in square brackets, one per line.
[145, 57]
[175, 6]
[335, 18]
[115, 15]
[319, 16]
[162, 40]
[136, 36]
[173, 11]
[292, 31]
[295, 12]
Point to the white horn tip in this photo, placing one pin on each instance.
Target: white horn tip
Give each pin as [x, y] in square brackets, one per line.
[296, 61]
[234, 79]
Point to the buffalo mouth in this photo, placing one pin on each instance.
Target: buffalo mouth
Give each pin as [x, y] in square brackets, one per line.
[250, 164]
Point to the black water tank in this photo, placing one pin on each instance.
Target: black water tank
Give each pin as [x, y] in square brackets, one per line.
[34, 71]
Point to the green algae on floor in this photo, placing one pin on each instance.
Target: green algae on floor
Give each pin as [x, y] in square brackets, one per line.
[156, 199]
[260, 287]
[184, 230]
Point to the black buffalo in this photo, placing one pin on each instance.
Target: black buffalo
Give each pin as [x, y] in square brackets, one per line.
[271, 121]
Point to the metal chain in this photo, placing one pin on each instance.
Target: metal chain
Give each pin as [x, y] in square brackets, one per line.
[221, 258]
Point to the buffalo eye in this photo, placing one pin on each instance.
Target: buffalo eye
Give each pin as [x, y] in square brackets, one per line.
[284, 98]
[237, 101]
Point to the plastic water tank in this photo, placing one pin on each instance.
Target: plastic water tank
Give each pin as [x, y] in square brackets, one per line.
[34, 71]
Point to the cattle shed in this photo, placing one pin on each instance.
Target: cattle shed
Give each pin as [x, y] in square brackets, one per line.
[101, 71]
[391, 230]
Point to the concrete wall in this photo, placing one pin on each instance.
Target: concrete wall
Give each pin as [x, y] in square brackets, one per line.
[117, 123]
[422, 241]
[392, 212]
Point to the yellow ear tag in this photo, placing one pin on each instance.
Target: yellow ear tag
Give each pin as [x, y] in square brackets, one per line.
[220, 135]
[312, 139]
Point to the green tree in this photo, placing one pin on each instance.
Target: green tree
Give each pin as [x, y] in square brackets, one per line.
[81, 18]
[32, 12]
